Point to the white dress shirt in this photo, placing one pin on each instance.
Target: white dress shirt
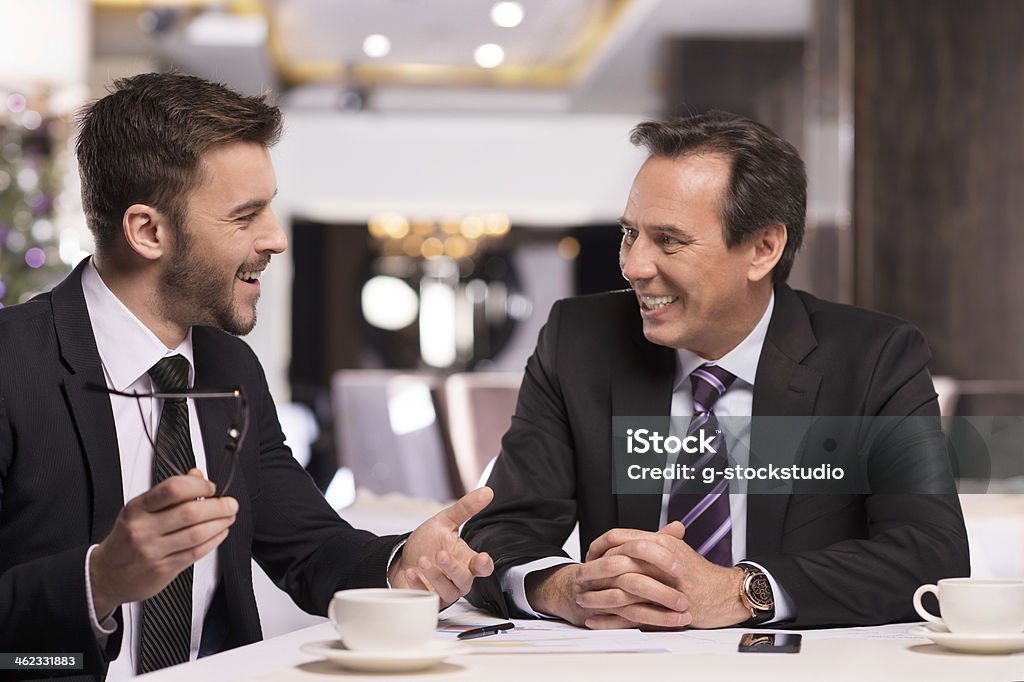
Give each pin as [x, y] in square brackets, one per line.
[738, 401]
[128, 349]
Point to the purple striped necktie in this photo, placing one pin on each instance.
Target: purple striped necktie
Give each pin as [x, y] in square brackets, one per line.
[167, 616]
[704, 509]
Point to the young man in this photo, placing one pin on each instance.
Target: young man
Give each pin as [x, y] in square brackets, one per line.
[109, 516]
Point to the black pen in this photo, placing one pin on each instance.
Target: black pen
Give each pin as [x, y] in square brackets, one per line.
[485, 631]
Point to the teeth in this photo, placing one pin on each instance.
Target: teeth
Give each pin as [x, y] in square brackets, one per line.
[655, 302]
[253, 275]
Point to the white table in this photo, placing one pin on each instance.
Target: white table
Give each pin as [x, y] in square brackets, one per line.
[856, 654]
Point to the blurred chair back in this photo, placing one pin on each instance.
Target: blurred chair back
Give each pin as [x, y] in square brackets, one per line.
[388, 432]
[480, 406]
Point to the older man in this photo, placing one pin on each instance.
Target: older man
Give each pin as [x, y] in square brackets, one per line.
[711, 331]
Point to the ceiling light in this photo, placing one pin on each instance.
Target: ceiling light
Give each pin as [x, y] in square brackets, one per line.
[376, 46]
[507, 14]
[489, 55]
[389, 303]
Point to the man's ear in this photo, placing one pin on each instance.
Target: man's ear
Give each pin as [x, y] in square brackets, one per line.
[147, 231]
[766, 250]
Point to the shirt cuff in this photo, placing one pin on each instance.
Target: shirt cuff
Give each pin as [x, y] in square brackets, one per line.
[513, 582]
[783, 603]
[391, 559]
[109, 625]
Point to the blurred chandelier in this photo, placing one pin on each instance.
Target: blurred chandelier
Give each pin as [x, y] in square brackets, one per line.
[456, 238]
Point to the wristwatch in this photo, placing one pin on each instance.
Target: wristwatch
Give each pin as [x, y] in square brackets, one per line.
[756, 595]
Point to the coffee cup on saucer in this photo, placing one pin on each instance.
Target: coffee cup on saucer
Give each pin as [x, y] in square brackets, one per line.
[976, 606]
[382, 619]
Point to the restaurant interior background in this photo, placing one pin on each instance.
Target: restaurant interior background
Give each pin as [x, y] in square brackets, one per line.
[452, 167]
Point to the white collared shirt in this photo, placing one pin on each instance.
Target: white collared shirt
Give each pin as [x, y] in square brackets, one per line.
[128, 349]
[738, 401]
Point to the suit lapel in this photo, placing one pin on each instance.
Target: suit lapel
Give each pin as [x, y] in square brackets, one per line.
[215, 414]
[215, 418]
[783, 387]
[641, 386]
[90, 409]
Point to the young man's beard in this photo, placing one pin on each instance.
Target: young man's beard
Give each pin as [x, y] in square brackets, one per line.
[196, 292]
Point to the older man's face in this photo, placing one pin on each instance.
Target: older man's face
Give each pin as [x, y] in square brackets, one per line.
[693, 292]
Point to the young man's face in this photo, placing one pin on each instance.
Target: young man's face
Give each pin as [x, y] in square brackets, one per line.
[693, 291]
[228, 236]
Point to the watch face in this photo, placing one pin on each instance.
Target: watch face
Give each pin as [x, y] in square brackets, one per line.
[759, 591]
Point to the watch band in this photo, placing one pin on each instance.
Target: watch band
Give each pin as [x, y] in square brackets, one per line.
[756, 595]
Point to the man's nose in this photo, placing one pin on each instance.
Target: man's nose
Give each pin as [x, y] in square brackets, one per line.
[637, 261]
[274, 239]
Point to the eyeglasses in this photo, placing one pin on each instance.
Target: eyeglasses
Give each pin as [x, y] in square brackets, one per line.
[237, 430]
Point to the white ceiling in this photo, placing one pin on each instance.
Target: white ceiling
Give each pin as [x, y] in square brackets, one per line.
[429, 31]
[620, 75]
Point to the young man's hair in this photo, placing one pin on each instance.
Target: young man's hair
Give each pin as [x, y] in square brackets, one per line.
[143, 144]
[767, 183]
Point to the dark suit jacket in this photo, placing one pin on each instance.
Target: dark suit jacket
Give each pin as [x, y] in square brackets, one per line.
[60, 488]
[843, 559]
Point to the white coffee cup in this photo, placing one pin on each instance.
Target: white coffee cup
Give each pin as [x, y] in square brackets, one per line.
[976, 606]
[376, 619]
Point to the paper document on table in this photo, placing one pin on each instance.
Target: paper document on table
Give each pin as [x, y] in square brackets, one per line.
[541, 636]
[531, 637]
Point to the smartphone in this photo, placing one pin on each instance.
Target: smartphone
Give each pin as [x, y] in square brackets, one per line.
[770, 643]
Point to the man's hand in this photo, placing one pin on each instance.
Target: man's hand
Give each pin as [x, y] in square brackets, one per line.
[712, 591]
[435, 558]
[629, 599]
[155, 537]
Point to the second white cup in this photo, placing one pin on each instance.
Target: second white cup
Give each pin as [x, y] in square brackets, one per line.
[976, 606]
[378, 619]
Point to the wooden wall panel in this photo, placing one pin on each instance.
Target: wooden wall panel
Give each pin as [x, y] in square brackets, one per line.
[939, 175]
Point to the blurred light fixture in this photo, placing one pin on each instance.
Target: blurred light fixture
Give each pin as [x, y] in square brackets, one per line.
[497, 224]
[438, 345]
[389, 303]
[432, 248]
[422, 226]
[472, 227]
[507, 14]
[568, 248]
[489, 55]
[376, 46]
[391, 225]
[460, 239]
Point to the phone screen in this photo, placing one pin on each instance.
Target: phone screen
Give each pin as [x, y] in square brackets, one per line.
[770, 642]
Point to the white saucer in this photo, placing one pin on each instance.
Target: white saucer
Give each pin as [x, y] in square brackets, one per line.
[387, 661]
[970, 643]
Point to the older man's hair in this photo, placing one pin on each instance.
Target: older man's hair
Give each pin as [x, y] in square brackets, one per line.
[767, 184]
[143, 144]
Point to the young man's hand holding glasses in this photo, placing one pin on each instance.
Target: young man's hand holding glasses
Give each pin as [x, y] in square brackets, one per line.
[172, 525]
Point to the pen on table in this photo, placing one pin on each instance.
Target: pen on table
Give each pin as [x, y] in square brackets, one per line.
[485, 631]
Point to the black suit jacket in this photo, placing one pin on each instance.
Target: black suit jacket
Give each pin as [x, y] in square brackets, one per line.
[60, 488]
[844, 559]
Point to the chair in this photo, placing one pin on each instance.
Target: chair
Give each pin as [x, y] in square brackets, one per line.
[479, 408]
[388, 432]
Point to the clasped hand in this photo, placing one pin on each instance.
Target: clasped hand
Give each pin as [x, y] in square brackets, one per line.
[633, 578]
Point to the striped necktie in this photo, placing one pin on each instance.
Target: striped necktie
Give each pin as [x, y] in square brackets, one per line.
[704, 509]
[167, 616]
